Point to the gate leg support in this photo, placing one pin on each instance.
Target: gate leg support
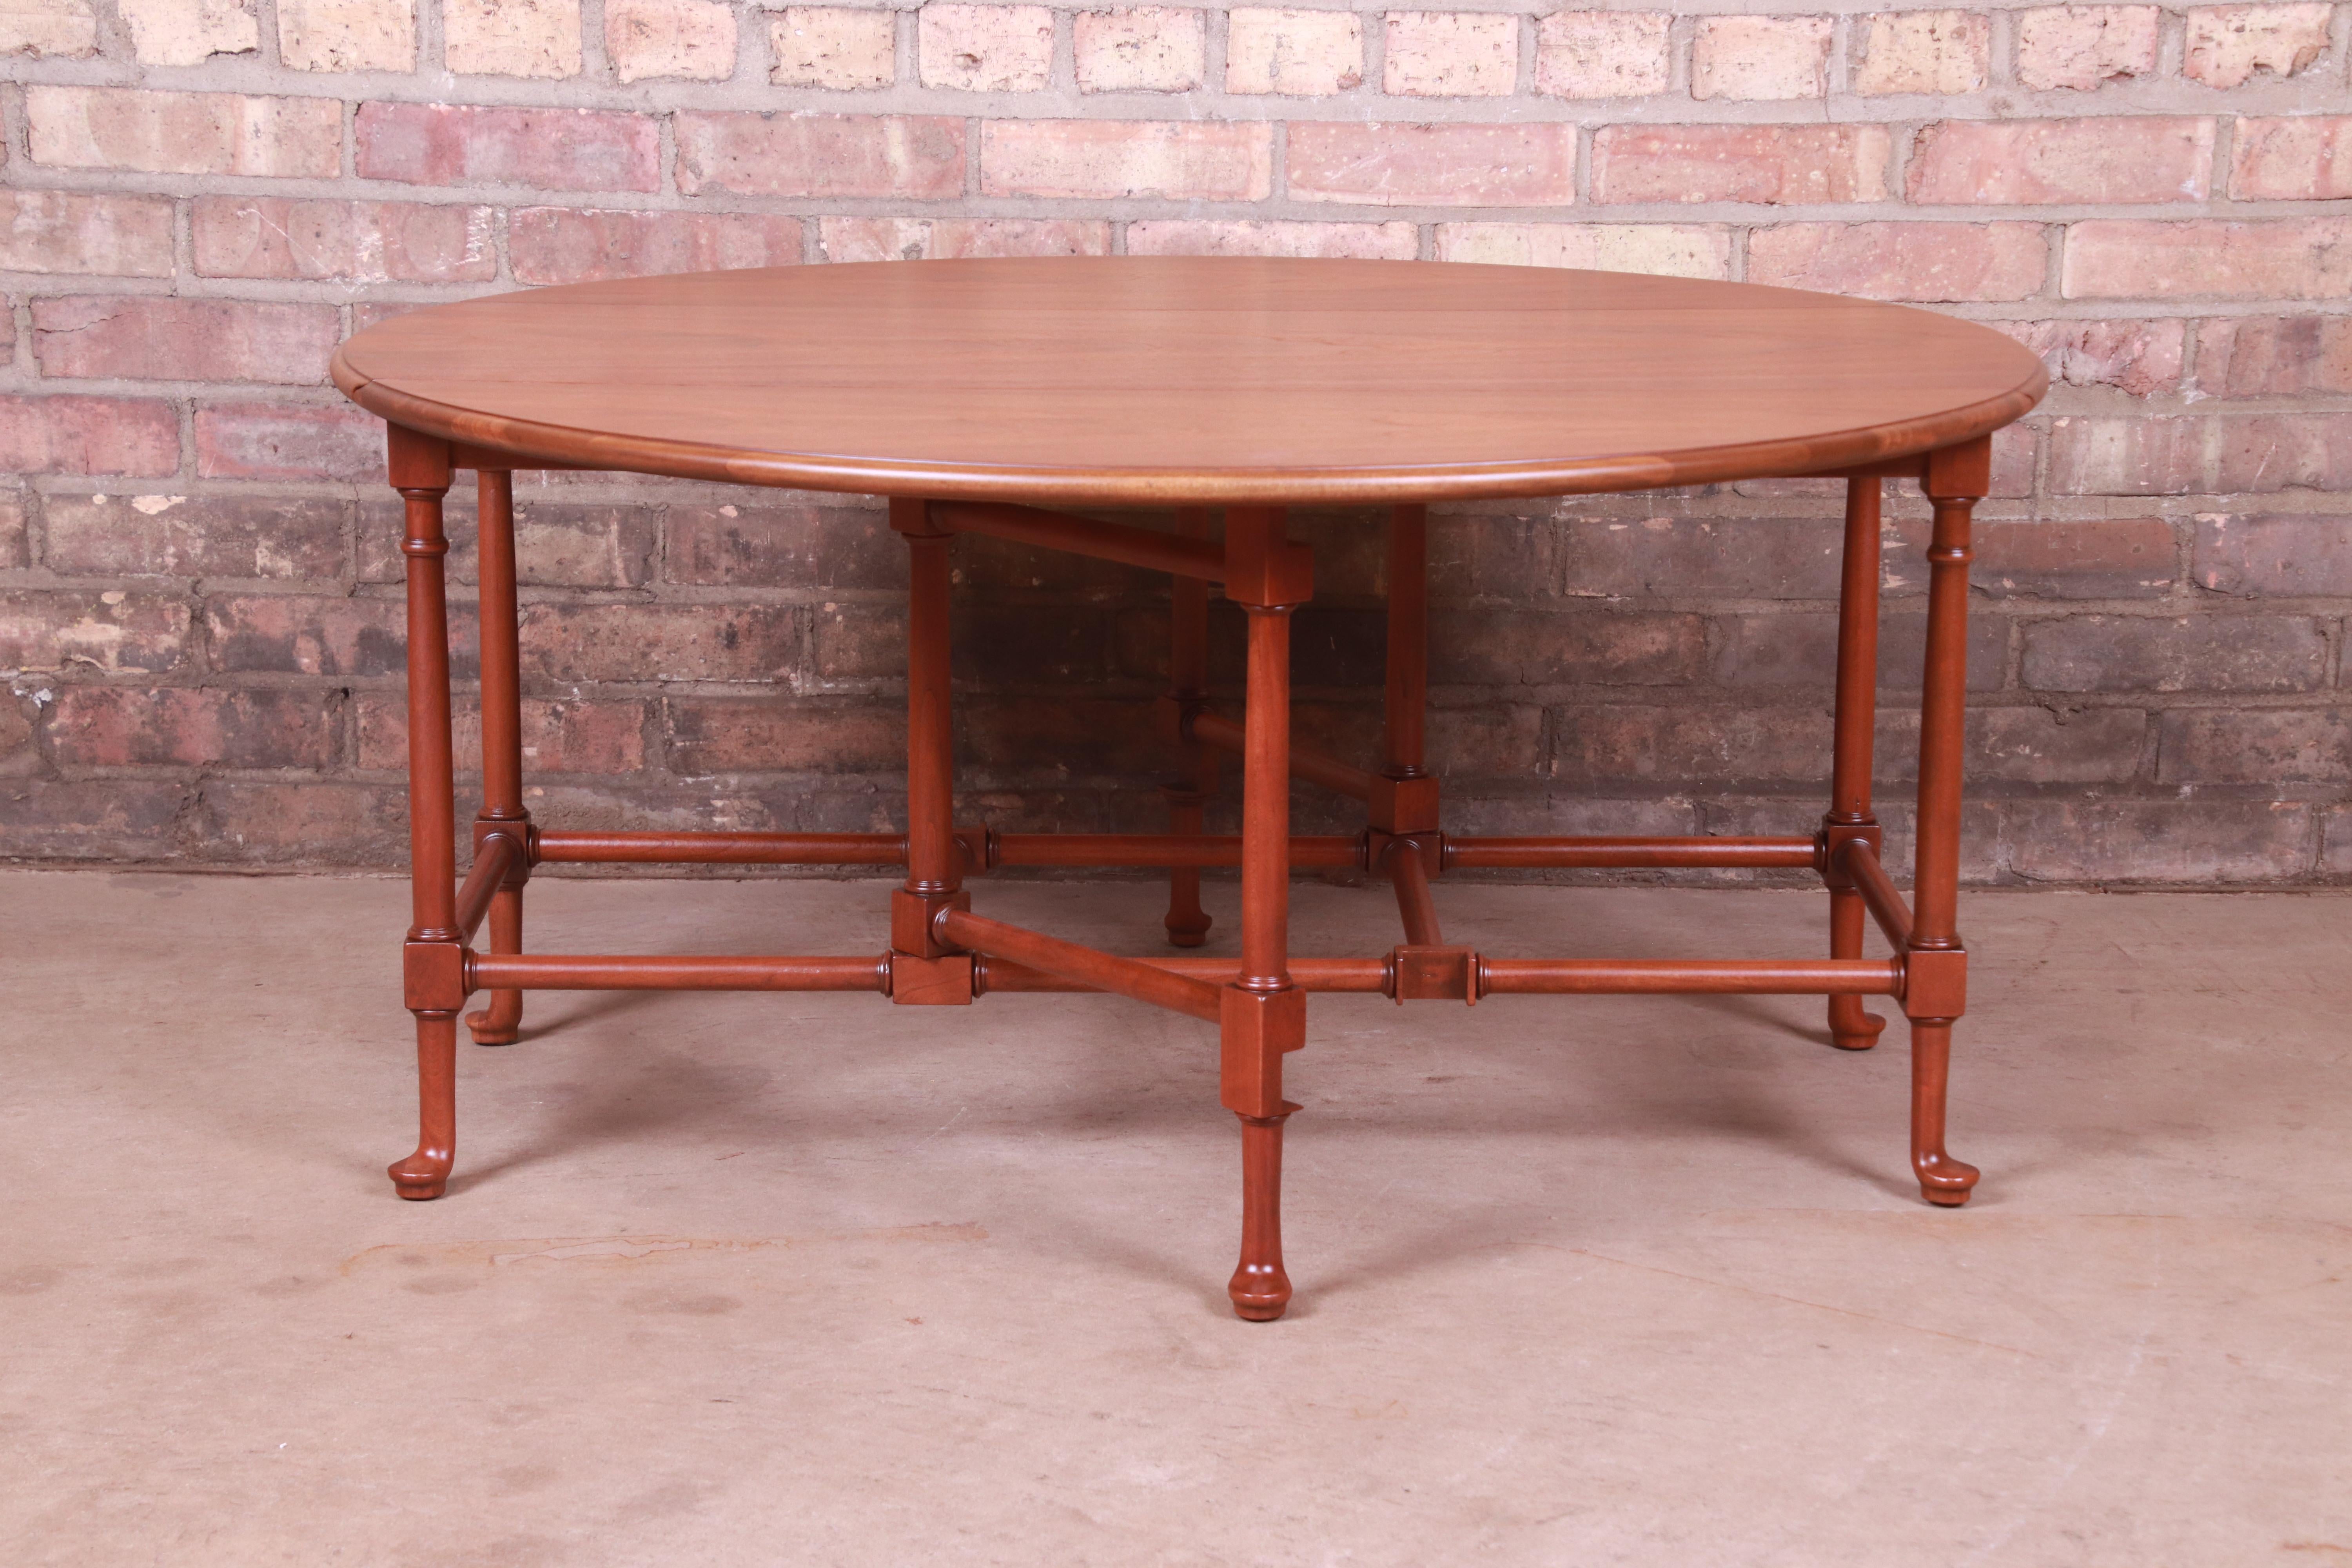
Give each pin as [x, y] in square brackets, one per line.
[1852, 1026]
[1188, 694]
[1936, 966]
[500, 1023]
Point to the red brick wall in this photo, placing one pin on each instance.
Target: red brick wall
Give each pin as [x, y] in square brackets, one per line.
[200, 197]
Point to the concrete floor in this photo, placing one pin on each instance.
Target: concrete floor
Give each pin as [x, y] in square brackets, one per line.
[778, 1279]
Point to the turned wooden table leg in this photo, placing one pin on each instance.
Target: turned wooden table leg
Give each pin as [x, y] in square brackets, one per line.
[433, 961]
[502, 812]
[1262, 1014]
[1188, 694]
[1852, 1026]
[1405, 795]
[924, 970]
[1935, 966]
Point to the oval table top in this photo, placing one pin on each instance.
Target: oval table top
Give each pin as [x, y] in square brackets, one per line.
[1151, 380]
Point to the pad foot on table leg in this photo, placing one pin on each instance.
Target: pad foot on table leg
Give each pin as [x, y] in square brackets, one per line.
[1852, 1026]
[425, 1173]
[1943, 1180]
[1260, 1288]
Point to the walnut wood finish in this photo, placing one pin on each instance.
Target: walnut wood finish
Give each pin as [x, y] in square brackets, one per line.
[962, 390]
[1854, 1027]
[1201, 381]
[503, 813]
[1188, 692]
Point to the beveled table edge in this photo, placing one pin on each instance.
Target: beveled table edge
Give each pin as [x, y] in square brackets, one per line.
[527, 439]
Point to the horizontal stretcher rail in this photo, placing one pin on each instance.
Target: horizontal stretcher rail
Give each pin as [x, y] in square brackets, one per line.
[1361, 975]
[1214, 729]
[1071, 961]
[1116, 541]
[1558, 854]
[1878, 895]
[644, 972]
[727, 848]
[1737, 976]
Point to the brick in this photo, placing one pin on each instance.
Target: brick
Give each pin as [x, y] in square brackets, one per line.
[2288, 259]
[918, 158]
[347, 35]
[2304, 158]
[51, 28]
[15, 548]
[2204, 842]
[117, 726]
[511, 37]
[1514, 648]
[1451, 54]
[314, 823]
[137, 437]
[1113, 159]
[726, 735]
[661, 642]
[2126, 455]
[2086, 47]
[565, 735]
[997, 644]
[2280, 556]
[19, 754]
[185, 132]
[301, 634]
[1760, 57]
[1922, 51]
[2225, 45]
[162, 338]
[547, 148]
[1673, 250]
[2139, 357]
[557, 544]
[915, 240]
[2016, 162]
[1150, 49]
[1297, 54]
[692, 39]
[1602, 53]
[63, 231]
[1010, 741]
[90, 819]
[1798, 648]
[188, 32]
[1929, 261]
[112, 632]
[2186, 653]
[1631, 744]
[2267, 746]
[2080, 558]
[363, 242]
[559, 245]
[790, 546]
[1774, 164]
[1434, 165]
[2029, 745]
[985, 48]
[2275, 452]
[1746, 558]
[2336, 845]
[195, 536]
[287, 441]
[1261, 237]
[841, 47]
[2259, 356]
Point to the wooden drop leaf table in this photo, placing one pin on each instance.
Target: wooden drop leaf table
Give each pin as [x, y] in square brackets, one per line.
[979, 396]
